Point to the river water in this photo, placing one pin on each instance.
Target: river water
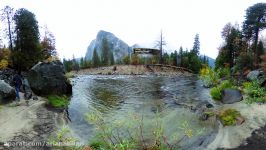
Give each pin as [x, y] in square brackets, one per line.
[117, 98]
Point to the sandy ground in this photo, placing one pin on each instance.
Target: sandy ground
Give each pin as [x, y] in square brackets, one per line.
[15, 119]
[232, 136]
[32, 123]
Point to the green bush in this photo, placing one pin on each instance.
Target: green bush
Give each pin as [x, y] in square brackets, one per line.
[58, 101]
[216, 92]
[255, 93]
[228, 117]
[208, 76]
[223, 72]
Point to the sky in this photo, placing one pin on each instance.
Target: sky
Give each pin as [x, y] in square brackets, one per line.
[75, 23]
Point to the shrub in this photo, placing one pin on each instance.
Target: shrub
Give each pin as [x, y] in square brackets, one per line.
[208, 76]
[228, 117]
[135, 60]
[223, 72]
[255, 93]
[126, 60]
[3, 64]
[125, 135]
[216, 92]
[62, 140]
[58, 101]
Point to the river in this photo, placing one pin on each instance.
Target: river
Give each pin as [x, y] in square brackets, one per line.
[117, 98]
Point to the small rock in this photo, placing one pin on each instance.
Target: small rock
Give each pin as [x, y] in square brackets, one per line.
[240, 120]
[35, 97]
[209, 105]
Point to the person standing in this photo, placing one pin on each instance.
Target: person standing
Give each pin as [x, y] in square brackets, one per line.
[17, 82]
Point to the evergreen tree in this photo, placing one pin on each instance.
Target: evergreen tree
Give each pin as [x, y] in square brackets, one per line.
[255, 21]
[95, 59]
[81, 63]
[196, 46]
[181, 56]
[112, 60]
[105, 52]
[27, 46]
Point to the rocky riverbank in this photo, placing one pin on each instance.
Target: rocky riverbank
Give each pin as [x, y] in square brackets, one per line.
[132, 70]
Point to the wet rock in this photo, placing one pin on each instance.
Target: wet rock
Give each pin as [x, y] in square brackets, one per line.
[46, 78]
[230, 96]
[209, 105]
[254, 75]
[7, 93]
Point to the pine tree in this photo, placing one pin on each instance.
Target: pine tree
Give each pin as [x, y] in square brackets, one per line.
[27, 51]
[105, 52]
[112, 60]
[254, 23]
[196, 46]
[95, 59]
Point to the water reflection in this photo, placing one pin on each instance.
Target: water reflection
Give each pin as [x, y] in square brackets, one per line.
[117, 96]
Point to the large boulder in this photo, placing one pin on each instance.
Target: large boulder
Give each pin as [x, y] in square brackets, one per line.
[230, 96]
[7, 93]
[46, 78]
[259, 76]
[254, 75]
[27, 89]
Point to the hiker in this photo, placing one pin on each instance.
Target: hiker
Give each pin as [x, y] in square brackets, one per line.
[17, 80]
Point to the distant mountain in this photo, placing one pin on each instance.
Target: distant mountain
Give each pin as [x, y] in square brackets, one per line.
[119, 48]
[211, 60]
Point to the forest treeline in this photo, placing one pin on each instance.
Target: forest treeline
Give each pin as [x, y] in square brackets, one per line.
[25, 46]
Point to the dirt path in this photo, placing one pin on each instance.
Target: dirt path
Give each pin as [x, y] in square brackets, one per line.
[27, 124]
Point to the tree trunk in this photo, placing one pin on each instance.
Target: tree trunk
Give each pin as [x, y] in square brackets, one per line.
[255, 48]
[9, 32]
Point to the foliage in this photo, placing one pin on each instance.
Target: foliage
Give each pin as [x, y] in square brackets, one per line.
[96, 62]
[58, 101]
[255, 93]
[126, 60]
[216, 91]
[48, 45]
[196, 46]
[63, 141]
[223, 72]
[68, 64]
[208, 76]
[4, 58]
[27, 46]
[105, 53]
[3, 64]
[228, 117]
[231, 48]
[135, 60]
[124, 135]
[255, 21]
[244, 61]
